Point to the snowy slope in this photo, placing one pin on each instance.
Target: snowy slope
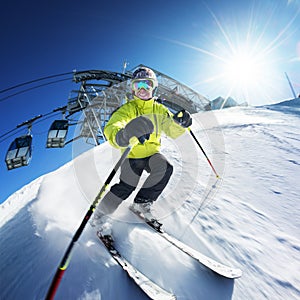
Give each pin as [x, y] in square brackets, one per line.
[249, 219]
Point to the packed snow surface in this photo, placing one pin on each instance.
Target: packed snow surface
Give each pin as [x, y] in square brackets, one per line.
[250, 218]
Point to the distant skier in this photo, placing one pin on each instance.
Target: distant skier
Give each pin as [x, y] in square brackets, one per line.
[142, 118]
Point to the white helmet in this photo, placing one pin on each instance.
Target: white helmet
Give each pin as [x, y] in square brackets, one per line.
[144, 73]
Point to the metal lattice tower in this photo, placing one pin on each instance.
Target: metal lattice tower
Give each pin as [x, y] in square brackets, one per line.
[101, 92]
[178, 96]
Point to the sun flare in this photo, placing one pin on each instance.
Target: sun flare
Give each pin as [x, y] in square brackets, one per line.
[246, 60]
[246, 73]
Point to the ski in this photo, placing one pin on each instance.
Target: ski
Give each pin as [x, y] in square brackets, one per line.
[150, 288]
[208, 262]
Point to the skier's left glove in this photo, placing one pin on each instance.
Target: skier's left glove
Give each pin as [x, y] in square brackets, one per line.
[183, 118]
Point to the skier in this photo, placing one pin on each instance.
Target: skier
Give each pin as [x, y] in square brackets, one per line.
[142, 118]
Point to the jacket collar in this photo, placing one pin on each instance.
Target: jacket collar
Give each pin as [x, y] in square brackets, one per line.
[143, 103]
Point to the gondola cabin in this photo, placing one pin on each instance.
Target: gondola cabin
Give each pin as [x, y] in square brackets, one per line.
[57, 134]
[19, 152]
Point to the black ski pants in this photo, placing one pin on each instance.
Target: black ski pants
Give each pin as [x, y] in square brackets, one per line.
[160, 171]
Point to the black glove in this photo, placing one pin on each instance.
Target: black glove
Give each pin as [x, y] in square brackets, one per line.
[139, 127]
[183, 118]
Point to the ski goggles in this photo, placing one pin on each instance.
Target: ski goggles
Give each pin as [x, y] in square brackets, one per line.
[147, 84]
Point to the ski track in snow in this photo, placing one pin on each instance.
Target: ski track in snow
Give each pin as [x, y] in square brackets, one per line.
[262, 189]
[250, 219]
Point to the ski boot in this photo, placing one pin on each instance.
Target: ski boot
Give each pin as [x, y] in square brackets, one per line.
[143, 209]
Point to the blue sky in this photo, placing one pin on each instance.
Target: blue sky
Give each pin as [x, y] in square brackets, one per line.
[237, 48]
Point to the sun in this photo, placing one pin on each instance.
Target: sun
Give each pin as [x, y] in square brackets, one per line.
[242, 69]
[245, 68]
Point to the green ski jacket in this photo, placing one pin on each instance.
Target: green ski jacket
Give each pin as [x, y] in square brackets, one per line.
[160, 116]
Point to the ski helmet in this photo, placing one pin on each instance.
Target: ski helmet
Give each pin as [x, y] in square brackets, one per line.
[145, 73]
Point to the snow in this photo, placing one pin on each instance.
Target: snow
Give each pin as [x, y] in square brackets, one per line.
[250, 218]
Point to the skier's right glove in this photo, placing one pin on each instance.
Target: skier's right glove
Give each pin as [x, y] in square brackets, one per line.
[140, 127]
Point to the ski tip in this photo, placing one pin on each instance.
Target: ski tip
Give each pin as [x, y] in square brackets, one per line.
[231, 273]
[237, 273]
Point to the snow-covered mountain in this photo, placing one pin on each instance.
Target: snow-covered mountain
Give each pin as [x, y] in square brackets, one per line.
[249, 219]
[221, 103]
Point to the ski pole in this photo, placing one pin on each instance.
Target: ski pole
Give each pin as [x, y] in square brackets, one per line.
[198, 143]
[67, 256]
[180, 115]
